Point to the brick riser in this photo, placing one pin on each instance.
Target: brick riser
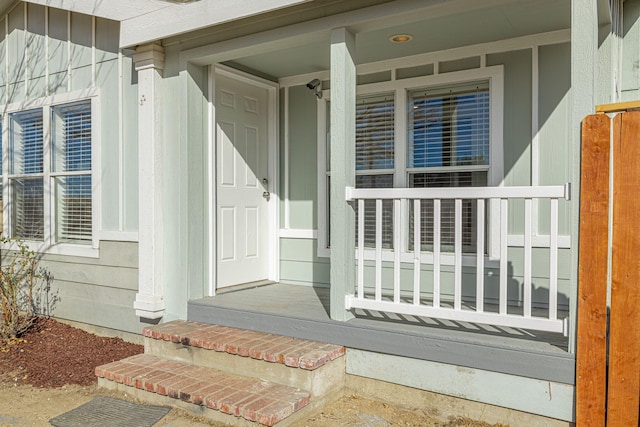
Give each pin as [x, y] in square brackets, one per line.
[292, 352]
[195, 366]
[249, 398]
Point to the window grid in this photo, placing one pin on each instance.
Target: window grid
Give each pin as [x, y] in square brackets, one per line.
[62, 186]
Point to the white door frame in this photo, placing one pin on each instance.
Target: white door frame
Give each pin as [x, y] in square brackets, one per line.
[272, 176]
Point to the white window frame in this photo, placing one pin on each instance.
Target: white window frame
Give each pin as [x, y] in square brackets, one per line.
[495, 172]
[49, 245]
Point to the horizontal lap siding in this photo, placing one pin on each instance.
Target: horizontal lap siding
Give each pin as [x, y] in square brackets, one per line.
[99, 291]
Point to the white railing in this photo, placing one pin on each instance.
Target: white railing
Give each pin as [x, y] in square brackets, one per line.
[492, 249]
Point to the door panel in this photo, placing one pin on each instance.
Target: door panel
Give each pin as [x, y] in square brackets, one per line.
[242, 168]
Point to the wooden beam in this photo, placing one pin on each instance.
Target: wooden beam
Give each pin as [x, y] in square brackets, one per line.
[592, 272]
[617, 106]
[624, 343]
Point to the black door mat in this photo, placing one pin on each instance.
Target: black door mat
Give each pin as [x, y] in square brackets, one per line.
[105, 411]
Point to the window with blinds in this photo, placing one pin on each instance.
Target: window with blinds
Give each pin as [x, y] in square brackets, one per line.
[26, 175]
[375, 152]
[71, 168]
[61, 187]
[448, 146]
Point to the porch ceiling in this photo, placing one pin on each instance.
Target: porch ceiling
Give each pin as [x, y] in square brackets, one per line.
[430, 34]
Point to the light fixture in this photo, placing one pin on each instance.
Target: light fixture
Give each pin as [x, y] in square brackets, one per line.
[400, 38]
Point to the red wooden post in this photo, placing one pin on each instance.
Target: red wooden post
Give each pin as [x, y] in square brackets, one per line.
[592, 273]
[624, 346]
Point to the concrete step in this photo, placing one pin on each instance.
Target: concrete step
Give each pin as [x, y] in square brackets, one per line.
[308, 365]
[217, 395]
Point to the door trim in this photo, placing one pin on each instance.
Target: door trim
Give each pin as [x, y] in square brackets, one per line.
[273, 166]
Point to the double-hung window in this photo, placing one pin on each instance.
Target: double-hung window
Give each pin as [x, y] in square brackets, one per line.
[448, 146]
[432, 131]
[49, 193]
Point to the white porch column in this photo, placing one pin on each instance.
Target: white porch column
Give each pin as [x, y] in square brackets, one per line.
[343, 135]
[149, 63]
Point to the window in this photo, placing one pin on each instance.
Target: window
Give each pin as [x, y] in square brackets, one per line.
[448, 133]
[448, 146]
[375, 155]
[49, 179]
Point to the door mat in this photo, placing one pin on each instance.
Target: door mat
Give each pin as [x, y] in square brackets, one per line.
[105, 411]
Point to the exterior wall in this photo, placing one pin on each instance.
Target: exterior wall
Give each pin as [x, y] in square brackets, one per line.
[536, 152]
[97, 291]
[46, 51]
[630, 57]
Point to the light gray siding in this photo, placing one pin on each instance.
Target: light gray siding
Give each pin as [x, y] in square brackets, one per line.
[550, 152]
[98, 291]
[46, 51]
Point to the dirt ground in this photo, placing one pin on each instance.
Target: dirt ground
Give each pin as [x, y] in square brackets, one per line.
[49, 371]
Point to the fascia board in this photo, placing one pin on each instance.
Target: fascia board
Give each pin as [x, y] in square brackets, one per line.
[117, 10]
[181, 18]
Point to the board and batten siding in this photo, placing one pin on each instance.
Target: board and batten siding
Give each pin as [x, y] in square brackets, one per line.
[630, 57]
[536, 152]
[46, 51]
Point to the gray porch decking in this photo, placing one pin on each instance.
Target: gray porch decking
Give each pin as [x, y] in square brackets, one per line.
[302, 312]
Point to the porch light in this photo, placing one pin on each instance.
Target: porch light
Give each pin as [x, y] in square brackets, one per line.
[401, 38]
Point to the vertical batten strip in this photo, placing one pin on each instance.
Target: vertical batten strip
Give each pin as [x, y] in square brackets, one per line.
[378, 249]
[361, 248]
[527, 257]
[121, 225]
[553, 261]
[504, 215]
[480, 257]
[69, 51]
[436, 253]
[93, 51]
[6, 61]
[26, 50]
[396, 250]
[417, 251]
[46, 51]
[457, 263]
[535, 130]
[287, 205]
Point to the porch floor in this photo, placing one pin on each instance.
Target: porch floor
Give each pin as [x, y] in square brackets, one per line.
[303, 312]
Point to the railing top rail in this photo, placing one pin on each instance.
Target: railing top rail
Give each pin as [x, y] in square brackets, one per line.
[552, 191]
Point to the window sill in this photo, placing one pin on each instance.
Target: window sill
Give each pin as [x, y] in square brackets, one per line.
[67, 249]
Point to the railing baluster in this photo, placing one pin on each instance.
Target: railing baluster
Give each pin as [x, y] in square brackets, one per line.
[527, 257]
[396, 250]
[504, 215]
[553, 261]
[361, 248]
[457, 263]
[495, 198]
[436, 252]
[378, 267]
[417, 251]
[480, 257]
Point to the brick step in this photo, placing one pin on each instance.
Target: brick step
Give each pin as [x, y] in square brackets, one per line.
[208, 389]
[292, 352]
[309, 365]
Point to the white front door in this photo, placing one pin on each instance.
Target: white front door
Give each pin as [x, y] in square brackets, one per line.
[242, 181]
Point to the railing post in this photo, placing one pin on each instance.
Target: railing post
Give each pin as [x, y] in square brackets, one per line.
[342, 215]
